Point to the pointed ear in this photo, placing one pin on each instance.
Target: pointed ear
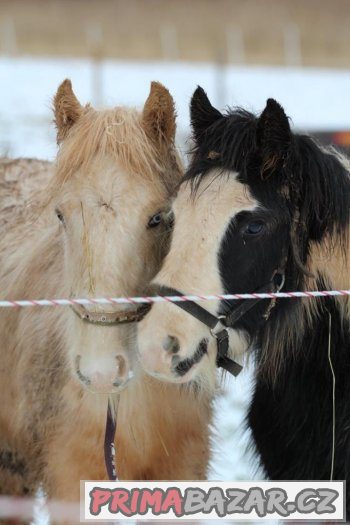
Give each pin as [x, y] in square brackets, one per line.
[67, 109]
[158, 116]
[273, 136]
[203, 114]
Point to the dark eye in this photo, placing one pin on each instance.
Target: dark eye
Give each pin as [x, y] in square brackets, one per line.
[59, 215]
[155, 220]
[254, 228]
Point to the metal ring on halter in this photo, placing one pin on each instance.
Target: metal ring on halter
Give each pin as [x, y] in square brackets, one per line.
[219, 327]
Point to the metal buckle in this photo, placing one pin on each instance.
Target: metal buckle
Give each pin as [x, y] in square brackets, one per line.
[219, 327]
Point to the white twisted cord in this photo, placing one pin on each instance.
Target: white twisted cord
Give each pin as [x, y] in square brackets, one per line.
[172, 299]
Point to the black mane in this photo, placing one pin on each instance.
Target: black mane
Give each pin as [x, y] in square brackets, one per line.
[316, 177]
[224, 145]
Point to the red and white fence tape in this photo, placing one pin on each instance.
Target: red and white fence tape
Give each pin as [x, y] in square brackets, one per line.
[172, 299]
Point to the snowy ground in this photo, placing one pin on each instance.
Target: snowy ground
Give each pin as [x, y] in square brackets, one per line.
[315, 99]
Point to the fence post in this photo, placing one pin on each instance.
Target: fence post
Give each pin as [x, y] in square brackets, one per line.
[292, 45]
[169, 42]
[220, 77]
[94, 37]
[235, 45]
[8, 36]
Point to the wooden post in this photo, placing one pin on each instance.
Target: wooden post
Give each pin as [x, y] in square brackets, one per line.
[292, 45]
[169, 42]
[94, 36]
[235, 45]
[8, 37]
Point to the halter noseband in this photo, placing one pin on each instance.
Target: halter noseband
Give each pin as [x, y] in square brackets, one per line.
[218, 325]
[110, 318]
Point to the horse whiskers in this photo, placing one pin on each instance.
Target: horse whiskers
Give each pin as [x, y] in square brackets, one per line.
[162, 442]
[133, 433]
[53, 369]
[333, 394]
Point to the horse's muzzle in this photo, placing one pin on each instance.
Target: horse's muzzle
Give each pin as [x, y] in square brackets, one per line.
[107, 381]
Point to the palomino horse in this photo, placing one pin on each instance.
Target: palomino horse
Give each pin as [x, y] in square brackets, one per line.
[264, 208]
[99, 228]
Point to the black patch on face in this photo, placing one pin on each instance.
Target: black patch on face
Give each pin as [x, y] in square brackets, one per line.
[185, 366]
[248, 261]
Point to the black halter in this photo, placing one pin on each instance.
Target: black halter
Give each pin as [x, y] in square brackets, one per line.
[218, 324]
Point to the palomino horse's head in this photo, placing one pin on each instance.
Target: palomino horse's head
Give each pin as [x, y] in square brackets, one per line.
[116, 170]
[257, 201]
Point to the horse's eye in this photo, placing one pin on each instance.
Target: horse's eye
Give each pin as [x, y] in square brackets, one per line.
[155, 220]
[59, 215]
[255, 228]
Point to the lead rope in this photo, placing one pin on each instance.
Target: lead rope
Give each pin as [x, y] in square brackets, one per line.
[333, 392]
[109, 447]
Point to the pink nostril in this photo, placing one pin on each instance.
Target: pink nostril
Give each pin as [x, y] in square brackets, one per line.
[99, 378]
[116, 375]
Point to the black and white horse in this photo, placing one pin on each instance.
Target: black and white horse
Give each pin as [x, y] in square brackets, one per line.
[258, 201]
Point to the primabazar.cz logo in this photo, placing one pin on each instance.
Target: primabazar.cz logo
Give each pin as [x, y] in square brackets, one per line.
[287, 500]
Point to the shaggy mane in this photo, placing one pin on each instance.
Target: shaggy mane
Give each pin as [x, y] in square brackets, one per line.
[115, 132]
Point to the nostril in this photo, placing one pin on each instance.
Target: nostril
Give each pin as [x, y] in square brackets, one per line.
[175, 360]
[81, 376]
[181, 368]
[171, 344]
[121, 365]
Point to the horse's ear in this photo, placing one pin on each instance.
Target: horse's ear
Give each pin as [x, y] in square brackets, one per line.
[273, 136]
[203, 114]
[158, 117]
[67, 109]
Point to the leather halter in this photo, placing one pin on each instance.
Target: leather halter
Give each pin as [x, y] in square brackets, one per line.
[110, 318]
[218, 325]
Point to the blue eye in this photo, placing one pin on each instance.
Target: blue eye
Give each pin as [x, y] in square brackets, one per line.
[254, 228]
[155, 220]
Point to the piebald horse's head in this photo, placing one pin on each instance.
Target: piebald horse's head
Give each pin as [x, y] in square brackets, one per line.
[116, 170]
[256, 200]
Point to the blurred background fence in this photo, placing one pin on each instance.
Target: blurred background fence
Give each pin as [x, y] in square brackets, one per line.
[276, 32]
[243, 51]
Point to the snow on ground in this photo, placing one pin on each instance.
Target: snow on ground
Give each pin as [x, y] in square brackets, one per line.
[315, 99]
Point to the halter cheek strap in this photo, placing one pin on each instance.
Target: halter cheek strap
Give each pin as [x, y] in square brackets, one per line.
[218, 325]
